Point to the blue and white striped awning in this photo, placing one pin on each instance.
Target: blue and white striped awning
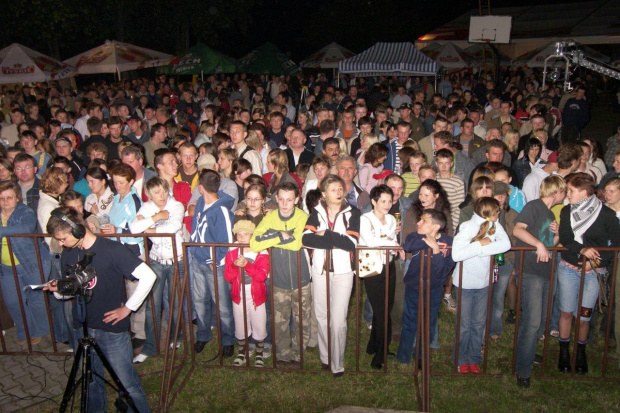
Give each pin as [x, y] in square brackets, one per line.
[390, 59]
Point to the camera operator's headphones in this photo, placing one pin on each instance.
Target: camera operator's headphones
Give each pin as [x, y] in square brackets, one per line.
[77, 230]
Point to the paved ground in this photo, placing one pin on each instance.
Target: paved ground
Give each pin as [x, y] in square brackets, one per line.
[26, 380]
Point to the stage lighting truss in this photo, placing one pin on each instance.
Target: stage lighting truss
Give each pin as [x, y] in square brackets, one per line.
[568, 52]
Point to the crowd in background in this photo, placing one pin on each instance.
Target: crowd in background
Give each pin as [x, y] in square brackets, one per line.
[303, 166]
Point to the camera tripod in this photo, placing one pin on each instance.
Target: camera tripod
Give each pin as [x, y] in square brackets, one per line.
[83, 356]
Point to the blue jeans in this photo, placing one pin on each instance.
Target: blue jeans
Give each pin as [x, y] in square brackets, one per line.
[34, 302]
[165, 274]
[554, 322]
[202, 294]
[569, 280]
[499, 294]
[534, 298]
[473, 312]
[61, 309]
[410, 320]
[116, 347]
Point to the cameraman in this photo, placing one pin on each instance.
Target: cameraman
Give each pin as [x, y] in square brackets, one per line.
[107, 312]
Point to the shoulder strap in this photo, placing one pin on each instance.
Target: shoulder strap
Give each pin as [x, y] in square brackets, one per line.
[246, 150]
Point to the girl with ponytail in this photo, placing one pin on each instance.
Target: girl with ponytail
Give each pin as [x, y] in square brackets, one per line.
[478, 240]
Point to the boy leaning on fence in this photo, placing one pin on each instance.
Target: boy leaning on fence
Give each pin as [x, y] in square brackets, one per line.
[429, 234]
[282, 231]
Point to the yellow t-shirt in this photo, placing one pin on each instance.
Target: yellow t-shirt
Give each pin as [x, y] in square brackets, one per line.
[6, 258]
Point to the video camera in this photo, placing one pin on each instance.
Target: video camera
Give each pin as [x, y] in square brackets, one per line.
[77, 277]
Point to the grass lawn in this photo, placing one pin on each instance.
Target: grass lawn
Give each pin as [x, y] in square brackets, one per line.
[211, 388]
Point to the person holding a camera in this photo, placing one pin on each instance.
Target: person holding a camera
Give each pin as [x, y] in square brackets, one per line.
[107, 310]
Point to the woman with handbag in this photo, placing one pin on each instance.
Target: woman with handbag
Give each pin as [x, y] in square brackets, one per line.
[379, 229]
[333, 225]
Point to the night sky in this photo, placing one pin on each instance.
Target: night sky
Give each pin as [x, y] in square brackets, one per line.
[64, 28]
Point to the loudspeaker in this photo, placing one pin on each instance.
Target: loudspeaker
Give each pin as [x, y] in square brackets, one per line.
[77, 230]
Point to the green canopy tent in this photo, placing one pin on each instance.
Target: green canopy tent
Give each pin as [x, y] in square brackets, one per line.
[199, 59]
[267, 60]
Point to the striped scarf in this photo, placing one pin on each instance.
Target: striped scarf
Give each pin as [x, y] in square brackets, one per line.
[583, 214]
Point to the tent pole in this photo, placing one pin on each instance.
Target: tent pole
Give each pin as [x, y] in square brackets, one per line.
[338, 80]
[202, 76]
[118, 71]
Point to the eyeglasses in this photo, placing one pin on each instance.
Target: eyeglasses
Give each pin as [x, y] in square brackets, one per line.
[7, 199]
[23, 168]
[253, 200]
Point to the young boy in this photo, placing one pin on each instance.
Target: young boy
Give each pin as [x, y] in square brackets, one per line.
[282, 230]
[256, 270]
[412, 180]
[452, 184]
[516, 199]
[429, 235]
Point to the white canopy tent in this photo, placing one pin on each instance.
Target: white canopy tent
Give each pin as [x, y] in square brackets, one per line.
[117, 57]
[390, 59]
[448, 55]
[536, 57]
[19, 64]
[327, 58]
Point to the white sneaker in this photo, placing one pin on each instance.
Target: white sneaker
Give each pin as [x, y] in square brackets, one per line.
[178, 344]
[450, 303]
[140, 358]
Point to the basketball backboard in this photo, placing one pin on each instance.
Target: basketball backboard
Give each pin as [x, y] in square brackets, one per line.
[490, 29]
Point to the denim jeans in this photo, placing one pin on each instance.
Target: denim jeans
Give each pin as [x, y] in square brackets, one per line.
[116, 348]
[410, 319]
[473, 312]
[554, 322]
[165, 276]
[202, 294]
[534, 298]
[33, 300]
[62, 310]
[569, 280]
[499, 294]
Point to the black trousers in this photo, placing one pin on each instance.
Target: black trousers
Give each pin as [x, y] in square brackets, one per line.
[375, 290]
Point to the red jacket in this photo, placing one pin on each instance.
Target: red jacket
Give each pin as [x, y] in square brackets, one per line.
[258, 271]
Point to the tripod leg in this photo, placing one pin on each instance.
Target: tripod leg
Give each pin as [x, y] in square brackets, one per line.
[71, 386]
[87, 376]
[123, 393]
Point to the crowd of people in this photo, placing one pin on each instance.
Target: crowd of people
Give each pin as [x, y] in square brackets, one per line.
[311, 170]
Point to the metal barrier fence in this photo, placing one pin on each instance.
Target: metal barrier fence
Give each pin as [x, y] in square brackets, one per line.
[181, 298]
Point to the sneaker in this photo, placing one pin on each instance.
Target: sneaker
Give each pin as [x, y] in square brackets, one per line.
[177, 345]
[239, 360]
[464, 369]
[538, 359]
[523, 382]
[140, 358]
[266, 352]
[137, 342]
[474, 368]
[369, 325]
[554, 333]
[259, 362]
[511, 317]
[199, 346]
[450, 303]
[228, 351]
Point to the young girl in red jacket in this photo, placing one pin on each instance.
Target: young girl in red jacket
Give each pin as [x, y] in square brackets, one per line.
[256, 270]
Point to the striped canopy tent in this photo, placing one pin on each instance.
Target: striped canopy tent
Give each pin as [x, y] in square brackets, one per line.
[390, 59]
[19, 64]
[536, 57]
[449, 56]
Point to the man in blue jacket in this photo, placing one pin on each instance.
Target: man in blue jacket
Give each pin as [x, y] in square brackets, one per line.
[212, 223]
